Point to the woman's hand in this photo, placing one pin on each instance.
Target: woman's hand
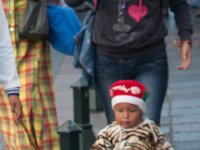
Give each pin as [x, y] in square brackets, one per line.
[185, 55]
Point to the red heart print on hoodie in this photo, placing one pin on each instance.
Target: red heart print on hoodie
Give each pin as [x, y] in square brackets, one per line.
[137, 12]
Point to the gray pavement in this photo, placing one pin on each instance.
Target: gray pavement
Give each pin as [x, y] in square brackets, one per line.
[182, 105]
[180, 119]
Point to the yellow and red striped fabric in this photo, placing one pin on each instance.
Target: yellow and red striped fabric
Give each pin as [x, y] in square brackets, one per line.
[38, 129]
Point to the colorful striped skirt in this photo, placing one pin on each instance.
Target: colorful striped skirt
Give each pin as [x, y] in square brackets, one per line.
[38, 128]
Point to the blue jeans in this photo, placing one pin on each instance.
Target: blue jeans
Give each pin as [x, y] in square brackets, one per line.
[150, 69]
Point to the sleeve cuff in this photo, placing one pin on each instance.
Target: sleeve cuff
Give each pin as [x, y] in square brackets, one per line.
[185, 35]
[13, 91]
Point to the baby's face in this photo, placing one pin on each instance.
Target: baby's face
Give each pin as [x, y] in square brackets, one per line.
[127, 115]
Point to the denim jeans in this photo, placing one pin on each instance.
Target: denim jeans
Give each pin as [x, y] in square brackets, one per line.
[150, 69]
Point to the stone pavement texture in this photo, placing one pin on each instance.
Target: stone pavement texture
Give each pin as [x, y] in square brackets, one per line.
[180, 119]
[180, 115]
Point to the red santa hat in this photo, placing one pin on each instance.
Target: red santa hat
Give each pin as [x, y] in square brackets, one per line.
[128, 91]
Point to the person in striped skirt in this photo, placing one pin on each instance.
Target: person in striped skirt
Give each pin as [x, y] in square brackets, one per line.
[37, 129]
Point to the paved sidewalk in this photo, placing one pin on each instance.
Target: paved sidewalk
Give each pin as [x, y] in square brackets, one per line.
[181, 111]
[180, 116]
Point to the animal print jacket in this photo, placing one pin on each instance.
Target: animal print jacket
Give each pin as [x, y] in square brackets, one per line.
[146, 136]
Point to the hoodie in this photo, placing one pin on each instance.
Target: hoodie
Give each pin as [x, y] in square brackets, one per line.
[131, 27]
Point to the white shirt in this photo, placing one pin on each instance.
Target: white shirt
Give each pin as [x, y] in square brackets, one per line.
[8, 72]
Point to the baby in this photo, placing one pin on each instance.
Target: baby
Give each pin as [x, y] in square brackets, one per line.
[130, 130]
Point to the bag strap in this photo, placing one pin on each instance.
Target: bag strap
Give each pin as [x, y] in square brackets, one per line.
[95, 4]
[74, 3]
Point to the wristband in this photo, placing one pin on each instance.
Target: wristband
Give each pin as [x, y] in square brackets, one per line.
[186, 41]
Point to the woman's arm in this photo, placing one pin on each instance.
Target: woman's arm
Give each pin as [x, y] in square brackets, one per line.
[181, 10]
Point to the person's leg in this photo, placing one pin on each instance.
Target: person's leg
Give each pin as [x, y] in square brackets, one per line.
[152, 71]
[108, 70]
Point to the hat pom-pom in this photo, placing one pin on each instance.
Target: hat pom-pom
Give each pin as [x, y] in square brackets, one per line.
[146, 95]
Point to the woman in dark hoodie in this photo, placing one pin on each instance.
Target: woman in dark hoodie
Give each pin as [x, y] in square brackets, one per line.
[129, 37]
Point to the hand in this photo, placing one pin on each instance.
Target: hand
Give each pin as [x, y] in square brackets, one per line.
[185, 55]
[16, 107]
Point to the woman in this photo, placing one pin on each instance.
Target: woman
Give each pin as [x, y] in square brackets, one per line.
[38, 127]
[130, 44]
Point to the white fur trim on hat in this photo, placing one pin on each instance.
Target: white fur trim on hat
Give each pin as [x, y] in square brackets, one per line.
[128, 99]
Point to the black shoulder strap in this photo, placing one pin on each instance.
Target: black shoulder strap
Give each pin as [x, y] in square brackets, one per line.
[74, 3]
[95, 4]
